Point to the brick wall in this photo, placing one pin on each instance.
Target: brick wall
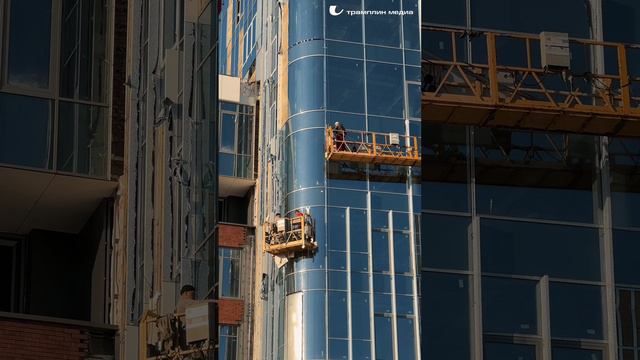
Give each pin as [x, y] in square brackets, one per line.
[232, 236]
[230, 311]
[27, 340]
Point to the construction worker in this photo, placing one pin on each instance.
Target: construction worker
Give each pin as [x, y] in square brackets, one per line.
[187, 297]
[279, 227]
[340, 135]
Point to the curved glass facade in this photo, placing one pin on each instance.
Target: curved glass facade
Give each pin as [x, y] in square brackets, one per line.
[359, 288]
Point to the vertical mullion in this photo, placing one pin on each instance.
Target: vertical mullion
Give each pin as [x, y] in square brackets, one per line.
[392, 268]
[543, 317]
[476, 268]
[349, 300]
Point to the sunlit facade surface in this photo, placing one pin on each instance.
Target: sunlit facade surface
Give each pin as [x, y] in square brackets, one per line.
[530, 239]
[356, 296]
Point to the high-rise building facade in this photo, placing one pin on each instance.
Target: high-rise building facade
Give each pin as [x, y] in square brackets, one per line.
[61, 154]
[167, 199]
[318, 63]
[530, 180]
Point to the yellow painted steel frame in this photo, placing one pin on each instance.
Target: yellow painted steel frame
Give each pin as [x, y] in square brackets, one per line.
[292, 240]
[528, 96]
[371, 148]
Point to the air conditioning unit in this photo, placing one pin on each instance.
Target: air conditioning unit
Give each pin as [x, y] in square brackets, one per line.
[554, 50]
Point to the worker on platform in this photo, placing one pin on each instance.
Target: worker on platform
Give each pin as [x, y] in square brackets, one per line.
[339, 136]
[279, 227]
[187, 297]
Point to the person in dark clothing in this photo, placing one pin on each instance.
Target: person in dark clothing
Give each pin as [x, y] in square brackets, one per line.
[340, 135]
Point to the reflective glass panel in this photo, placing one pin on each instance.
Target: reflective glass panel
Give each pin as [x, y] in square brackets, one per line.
[25, 131]
[576, 311]
[385, 94]
[345, 85]
[445, 316]
[445, 241]
[29, 45]
[512, 247]
[509, 306]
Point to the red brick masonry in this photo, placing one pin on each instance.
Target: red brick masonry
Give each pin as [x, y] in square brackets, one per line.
[233, 236]
[24, 339]
[230, 311]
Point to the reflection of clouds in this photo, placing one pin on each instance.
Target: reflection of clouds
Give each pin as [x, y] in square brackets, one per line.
[34, 80]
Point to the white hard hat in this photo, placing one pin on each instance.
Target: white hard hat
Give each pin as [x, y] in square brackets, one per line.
[337, 123]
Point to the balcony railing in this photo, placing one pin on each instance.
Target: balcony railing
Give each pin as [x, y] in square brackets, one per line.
[372, 148]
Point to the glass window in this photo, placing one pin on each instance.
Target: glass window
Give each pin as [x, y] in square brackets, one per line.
[445, 241]
[385, 89]
[506, 351]
[338, 197]
[361, 349]
[25, 131]
[511, 247]
[445, 316]
[358, 232]
[415, 101]
[626, 252]
[535, 175]
[228, 133]
[509, 306]
[314, 324]
[576, 311]
[83, 53]
[385, 29]
[305, 21]
[406, 337]
[561, 353]
[621, 20]
[338, 349]
[404, 305]
[380, 243]
[338, 327]
[345, 85]
[337, 229]
[302, 73]
[229, 272]
[384, 338]
[386, 201]
[627, 303]
[359, 282]
[359, 262]
[29, 45]
[382, 303]
[402, 253]
[337, 279]
[532, 17]
[347, 28]
[444, 186]
[82, 139]
[305, 154]
[625, 184]
[228, 347]
[360, 315]
[411, 24]
[449, 12]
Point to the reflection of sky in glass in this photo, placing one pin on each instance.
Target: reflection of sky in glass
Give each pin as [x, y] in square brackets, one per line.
[28, 44]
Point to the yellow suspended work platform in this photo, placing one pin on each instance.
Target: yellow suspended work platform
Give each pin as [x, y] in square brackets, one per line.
[372, 147]
[498, 80]
[290, 236]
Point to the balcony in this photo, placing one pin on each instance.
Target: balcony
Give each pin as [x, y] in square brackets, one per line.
[497, 80]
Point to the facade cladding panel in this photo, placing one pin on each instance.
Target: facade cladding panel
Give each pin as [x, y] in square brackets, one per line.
[529, 246]
[356, 295]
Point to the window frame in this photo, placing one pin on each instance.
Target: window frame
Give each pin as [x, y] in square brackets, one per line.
[231, 257]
